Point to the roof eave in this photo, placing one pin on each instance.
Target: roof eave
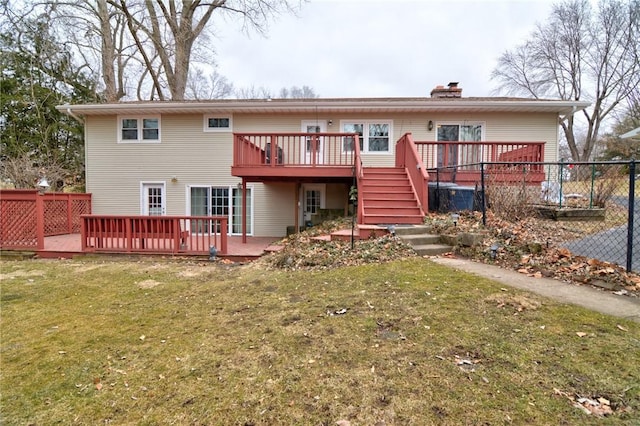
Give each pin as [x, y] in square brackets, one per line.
[320, 105]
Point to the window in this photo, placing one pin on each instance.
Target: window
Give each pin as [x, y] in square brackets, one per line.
[455, 154]
[221, 201]
[374, 136]
[217, 123]
[312, 201]
[139, 129]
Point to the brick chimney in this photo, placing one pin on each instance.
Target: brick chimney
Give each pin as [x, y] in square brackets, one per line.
[451, 91]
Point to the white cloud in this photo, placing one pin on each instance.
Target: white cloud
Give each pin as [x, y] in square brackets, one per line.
[367, 48]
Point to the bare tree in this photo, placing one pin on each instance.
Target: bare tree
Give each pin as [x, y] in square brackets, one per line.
[94, 31]
[578, 54]
[23, 173]
[170, 30]
[624, 149]
[253, 92]
[295, 92]
[211, 86]
[145, 48]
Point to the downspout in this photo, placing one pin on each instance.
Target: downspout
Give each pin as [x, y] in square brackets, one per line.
[72, 114]
[84, 137]
[574, 109]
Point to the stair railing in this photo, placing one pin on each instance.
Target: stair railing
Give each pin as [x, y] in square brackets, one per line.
[408, 158]
[358, 173]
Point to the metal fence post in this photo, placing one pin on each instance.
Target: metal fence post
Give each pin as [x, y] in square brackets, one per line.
[632, 184]
[561, 176]
[484, 195]
[593, 178]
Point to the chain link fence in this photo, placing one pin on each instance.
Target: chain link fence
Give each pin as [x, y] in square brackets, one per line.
[594, 203]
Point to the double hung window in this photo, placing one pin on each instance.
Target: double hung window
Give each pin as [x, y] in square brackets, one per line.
[374, 135]
[139, 129]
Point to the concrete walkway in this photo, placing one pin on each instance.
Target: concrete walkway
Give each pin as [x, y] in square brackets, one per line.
[585, 296]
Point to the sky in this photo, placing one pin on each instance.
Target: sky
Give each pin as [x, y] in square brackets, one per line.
[379, 48]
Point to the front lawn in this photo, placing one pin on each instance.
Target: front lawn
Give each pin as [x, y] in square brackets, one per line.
[405, 342]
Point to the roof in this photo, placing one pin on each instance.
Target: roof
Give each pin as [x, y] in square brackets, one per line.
[326, 105]
[631, 133]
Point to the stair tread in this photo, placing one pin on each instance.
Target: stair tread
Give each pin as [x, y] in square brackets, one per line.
[417, 236]
[432, 249]
[387, 196]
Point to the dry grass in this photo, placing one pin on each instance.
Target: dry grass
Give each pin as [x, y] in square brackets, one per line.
[405, 342]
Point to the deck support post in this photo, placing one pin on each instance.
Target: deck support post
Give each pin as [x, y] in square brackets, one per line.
[296, 208]
[244, 212]
[39, 221]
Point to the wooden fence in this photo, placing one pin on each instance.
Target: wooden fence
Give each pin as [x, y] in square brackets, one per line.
[27, 217]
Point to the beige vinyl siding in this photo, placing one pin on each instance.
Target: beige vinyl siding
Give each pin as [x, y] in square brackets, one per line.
[507, 127]
[275, 209]
[524, 127]
[195, 157]
[337, 196]
[115, 171]
[278, 208]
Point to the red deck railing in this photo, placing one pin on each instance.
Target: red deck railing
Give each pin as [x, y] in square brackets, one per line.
[154, 234]
[460, 161]
[443, 154]
[294, 149]
[26, 216]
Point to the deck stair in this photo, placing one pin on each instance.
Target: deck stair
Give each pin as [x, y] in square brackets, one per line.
[421, 240]
[387, 197]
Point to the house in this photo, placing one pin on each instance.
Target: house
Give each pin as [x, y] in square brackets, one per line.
[293, 159]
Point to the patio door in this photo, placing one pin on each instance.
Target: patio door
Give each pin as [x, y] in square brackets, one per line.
[220, 201]
[459, 154]
[313, 146]
[153, 199]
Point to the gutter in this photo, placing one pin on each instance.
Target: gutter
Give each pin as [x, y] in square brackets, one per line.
[330, 105]
[631, 133]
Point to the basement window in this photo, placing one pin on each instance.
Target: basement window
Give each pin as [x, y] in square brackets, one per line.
[217, 123]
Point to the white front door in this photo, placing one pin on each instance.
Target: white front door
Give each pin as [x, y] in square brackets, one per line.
[153, 202]
[313, 146]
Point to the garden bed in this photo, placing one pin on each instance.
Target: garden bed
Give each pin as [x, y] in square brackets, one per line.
[570, 213]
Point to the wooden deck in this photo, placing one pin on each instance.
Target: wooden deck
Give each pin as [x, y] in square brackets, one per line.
[70, 245]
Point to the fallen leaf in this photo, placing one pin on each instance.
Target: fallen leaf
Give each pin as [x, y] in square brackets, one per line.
[604, 401]
[621, 327]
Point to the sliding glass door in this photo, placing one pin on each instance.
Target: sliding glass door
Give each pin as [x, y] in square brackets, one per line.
[221, 201]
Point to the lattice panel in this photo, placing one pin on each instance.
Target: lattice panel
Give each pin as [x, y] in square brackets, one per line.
[78, 207]
[18, 224]
[55, 217]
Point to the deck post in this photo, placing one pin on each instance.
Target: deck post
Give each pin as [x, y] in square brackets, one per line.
[128, 234]
[39, 221]
[69, 214]
[244, 212]
[296, 208]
